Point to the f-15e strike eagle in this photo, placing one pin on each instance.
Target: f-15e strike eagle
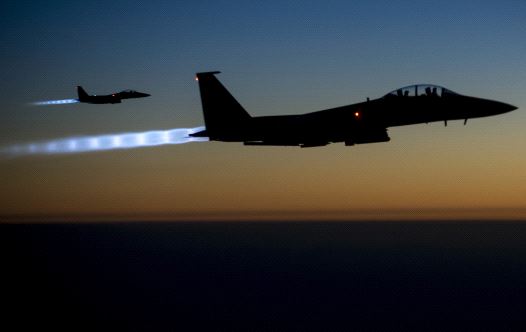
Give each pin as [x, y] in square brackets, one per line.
[114, 98]
[366, 122]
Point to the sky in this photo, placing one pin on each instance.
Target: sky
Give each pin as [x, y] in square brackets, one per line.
[276, 58]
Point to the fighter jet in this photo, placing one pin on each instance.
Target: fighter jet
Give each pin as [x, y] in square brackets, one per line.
[114, 98]
[365, 122]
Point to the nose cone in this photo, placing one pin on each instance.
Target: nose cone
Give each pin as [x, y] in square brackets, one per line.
[504, 108]
[493, 107]
[479, 107]
[512, 108]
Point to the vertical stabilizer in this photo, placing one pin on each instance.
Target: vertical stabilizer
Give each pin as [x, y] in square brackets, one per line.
[224, 116]
[82, 93]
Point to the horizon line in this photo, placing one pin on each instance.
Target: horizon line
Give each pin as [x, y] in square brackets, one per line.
[364, 214]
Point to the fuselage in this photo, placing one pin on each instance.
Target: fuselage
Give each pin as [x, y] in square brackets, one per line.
[106, 99]
[364, 122]
[114, 98]
[338, 124]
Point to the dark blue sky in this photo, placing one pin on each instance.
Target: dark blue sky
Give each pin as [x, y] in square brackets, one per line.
[277, 58]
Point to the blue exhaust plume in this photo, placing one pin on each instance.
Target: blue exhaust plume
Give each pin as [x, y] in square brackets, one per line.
[106, 142]
[55, 102]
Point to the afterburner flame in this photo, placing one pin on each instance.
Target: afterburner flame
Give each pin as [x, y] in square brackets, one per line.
[105, 142]
[55, 102]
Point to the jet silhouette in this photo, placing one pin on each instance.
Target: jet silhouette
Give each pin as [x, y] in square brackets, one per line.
[114, 98]
[366, 122]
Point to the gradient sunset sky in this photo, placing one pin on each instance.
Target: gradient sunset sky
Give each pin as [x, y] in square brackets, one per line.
[276, 57]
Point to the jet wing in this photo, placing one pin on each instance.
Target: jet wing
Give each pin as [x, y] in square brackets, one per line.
[367, 134]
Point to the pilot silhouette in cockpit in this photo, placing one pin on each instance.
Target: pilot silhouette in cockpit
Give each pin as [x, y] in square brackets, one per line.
[428, 91]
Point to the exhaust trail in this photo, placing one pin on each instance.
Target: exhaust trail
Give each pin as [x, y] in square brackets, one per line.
[105, 142]
[55, 102]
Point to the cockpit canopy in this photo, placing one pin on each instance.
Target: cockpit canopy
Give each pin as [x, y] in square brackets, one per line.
[128, 91]
[418, 90]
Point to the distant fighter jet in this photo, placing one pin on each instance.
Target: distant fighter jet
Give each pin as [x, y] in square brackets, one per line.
[114, 98]
[366, 122]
